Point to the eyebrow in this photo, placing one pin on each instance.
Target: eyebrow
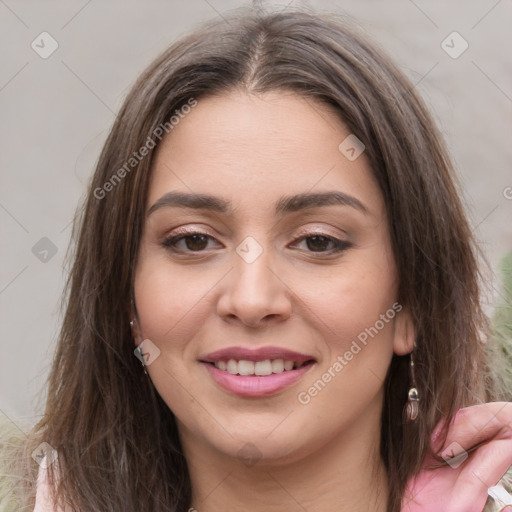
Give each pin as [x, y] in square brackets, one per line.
[284, 205]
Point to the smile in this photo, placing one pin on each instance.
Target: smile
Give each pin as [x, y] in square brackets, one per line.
[259, 368]
[256, 372]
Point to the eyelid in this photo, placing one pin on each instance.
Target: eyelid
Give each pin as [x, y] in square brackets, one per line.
[314, 230]
[339, 244]
[303, 231]
[187, 231]
[181, 233]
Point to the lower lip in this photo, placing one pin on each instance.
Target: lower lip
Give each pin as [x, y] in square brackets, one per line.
[253, 386]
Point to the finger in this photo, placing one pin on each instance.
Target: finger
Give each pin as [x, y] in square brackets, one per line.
[485, 468]
[472, 425]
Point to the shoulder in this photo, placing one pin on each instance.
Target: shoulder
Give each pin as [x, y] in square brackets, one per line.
[43, 493]
[44, 498]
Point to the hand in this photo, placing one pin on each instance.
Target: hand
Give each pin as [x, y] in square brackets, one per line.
[485, 433]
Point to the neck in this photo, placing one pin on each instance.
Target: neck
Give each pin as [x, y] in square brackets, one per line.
[345, 474]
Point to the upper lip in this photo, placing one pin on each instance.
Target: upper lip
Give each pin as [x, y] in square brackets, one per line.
[258, 354]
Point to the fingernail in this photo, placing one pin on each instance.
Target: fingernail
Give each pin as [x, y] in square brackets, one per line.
[507, 509]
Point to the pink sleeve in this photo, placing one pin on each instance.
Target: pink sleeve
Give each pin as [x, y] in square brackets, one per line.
[44, 502]
[469, 478]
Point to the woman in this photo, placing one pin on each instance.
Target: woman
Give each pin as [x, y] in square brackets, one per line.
[273, 230]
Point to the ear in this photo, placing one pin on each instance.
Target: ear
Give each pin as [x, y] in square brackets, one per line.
[135, 328]
[404, 333]
[133, 319]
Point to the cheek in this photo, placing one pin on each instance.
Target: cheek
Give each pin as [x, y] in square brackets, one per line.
[170, 314]
[169, 302]
[355, 318]
[356, 295]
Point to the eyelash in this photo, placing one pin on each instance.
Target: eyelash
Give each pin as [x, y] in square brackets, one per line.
[339, 245]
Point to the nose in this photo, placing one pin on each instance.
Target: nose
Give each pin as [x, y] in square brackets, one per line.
[254, 294]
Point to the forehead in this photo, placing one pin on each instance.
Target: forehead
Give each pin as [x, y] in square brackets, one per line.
[254, 149]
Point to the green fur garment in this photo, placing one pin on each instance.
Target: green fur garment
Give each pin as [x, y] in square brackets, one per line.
[500, 357]
[11, 436]
[500, 366]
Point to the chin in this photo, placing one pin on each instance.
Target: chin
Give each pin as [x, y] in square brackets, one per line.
[259, 448]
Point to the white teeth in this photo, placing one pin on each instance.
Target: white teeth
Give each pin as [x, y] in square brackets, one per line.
[266, 367]
[288, 365]
[246, 367]
[277, 366]
[232, 367]
[263, 367]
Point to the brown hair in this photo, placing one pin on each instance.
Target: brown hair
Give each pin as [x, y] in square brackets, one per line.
[117, 440]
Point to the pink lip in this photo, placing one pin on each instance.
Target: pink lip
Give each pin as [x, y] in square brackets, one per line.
[253, 386]
[258, 354]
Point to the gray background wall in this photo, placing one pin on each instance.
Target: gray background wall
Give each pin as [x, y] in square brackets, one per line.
[55, 113]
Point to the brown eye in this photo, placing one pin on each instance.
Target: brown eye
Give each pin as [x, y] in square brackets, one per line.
[320, 243]
[194, 242]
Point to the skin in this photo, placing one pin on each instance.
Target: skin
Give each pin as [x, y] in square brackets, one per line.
[462, 485]
[251, 150]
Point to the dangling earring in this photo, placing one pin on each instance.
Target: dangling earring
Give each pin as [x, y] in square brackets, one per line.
[412, 409]
[138, 351]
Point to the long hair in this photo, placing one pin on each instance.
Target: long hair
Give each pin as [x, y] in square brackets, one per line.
[117, 441]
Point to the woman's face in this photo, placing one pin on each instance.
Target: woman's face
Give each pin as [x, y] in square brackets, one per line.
[270, 282]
